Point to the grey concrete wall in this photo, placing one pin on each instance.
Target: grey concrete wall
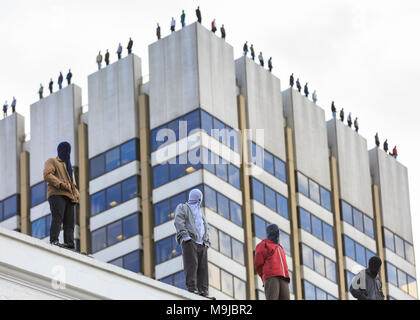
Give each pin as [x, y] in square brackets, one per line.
[392, 180]
[350, 150]
[113, 104]
[53, 119]
[191, 68]
[12, 131]
[307, 121]
[263, 99]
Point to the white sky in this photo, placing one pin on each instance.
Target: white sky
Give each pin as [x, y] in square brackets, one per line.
[364, 55]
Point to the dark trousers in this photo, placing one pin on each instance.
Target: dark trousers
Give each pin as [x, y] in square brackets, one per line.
[276, 288]
[62, 211]
[195, 266]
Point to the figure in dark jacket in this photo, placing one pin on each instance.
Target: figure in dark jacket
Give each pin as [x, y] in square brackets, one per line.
[260, 57]
[306, 90]
[349, 122]
[333, 110]
[271, 265]
[292, 81]
[183, 18]
[158, 31]
[50, 86]
[366, 285]
[252, 52]
[356, 124]
[68, 77]
[377, 140]
[107, 57]
[270, 64]
[41, 91]
[60, 81]
[198, 14]
[386, 145]
[130, 46]
[298, 85]
[5, 106]
[13, 105]
[223, 32]
[119, 51]
[342, 114]
[245, 48]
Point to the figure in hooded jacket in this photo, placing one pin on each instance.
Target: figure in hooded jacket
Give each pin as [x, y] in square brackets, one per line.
[271, 265]
[366, 285]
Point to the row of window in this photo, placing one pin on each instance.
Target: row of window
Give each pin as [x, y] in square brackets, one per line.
[357, 219]
[226, 282]
[312, 292]
[401, 279]
[314, 191]
[115, 232]
[316, 226]
[269, 198]
[9, 207]
[114, 195]
[195, 120]
[38, 193]
[40, 228]
[357, 252]
[130, 261]
[221, 168]
[319, 263]
[226, 245]
[268, 161]
[260, 226]
[114, 158]
[166, 249]
[399, 246]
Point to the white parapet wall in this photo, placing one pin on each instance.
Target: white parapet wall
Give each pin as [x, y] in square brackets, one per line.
[35, 270]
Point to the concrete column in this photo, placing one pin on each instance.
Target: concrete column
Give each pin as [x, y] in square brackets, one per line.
[294, 228]
[246, 207]
[25, 194]
[84, 188]
[146, 188]
[338, 239]
[379, 237]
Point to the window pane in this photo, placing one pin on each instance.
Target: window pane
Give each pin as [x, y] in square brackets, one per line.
[206, 122]
[214, 276]
[163, 250]
[114, 233]
[399, 246]
[325, 199]
[347, 212]
[117, 262]
[155, 143]
[9, 207]
[177, 170]
[130, 226]
[113, 196]
[38, 194]
[358, 219]
[221, 170]
[402, 280]
[409, 252]
[319, 263]
[368, 223]
[349, 278]
[227, 283]
[349, 248]
[270, 198]
[280, 169]
[193, 158]
[98, 239]
[328, 234]
[360, 254]
[233, 139]
[128, 152]
[268, 162]
[1, 211]
[97, 203]
[223, 205]
[285, 242]
[162, 213]
[330, 270]
[259, 227]
[303, 184]
[175, 201]
[210, 200]
[193, 121]
[112, 159]
[38, 228]
[305, 220]
[179, 280]
[240, 291]
[316, 227]
[234, 176]
[208, 160]
[174, 127]
[176, 248]
[132, 261]
[214, 238]
[129, 188]
[235, 213]
[48, 223]
[160, 175]
[219, 132]
[314, 191]
[391, 273]
[321, 294]
[257, 191]
[412, 286]
[307, 256]
[238, 251]
[389, 240]
[225, 245]
[309, 291]
[282, 206]
[97, 166]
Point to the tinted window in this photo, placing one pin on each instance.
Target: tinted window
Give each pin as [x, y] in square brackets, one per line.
[307, 256]
[163, 250]
[268, 162]
[316, 227]
[130, 226]
[38, 228]
[328, 234]
[368, 224]
[270, 198]
[360, 254]
[223, 205]
[285, 242]
[174, 127]
[214, 238]
[117, 262]
[282, 206]
[309, 291]
[314, 191]
[193, 121]
[303, 184]
[114, 232]
[330, 270]
[389, 240]
[391, 273]
[319, 263]
[409, 252]
[321, 294]
[128, 152]
[161, 211]
[280, 169]
[358, 219]
[206, 122]
[399, 246]
[9, 207]
[325, 198]
[221, 170]
[97, 166]
[97, 203]
[160, 175]
[305, 220]
[38, 193]
[112, 159]
[132, 261]
[347, 212]
[259, 227]
[129, 188]
[225, 245]
[210, 198]
[402, 280]
[98, 239]
[113, 196]
[349, 248]
[257, 190]
[234, 176]
[235, 213]
[219, 132]
[237, 251]
[179, 280]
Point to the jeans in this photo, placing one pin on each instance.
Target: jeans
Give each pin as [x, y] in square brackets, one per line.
[62, 211]
[99, 65]
[334, 114]
[245, 52]
[60, 85]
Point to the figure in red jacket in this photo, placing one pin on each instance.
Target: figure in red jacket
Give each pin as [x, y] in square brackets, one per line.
[271, 265]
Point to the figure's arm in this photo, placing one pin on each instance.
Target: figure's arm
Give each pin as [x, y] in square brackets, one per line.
[179, 221]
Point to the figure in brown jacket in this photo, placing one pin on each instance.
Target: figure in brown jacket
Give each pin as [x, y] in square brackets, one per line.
[62, 195]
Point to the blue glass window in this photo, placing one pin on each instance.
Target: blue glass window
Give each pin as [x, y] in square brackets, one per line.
[349, 278]
[129, 188]
[349, 248]
[259, 227]
[113, 196]
[223, 205]
[97, 166]
[132, 261]
[314, 191]
[280, 169]
[391, 273]
[97, 203]
[360, 254]
[409, 252]
[1, 211]
[305, 219]
[219, 132]
[161, 211]
[130, 226]
[358, 219]
[235, 213]
[98, 238]
[225, 244]
[179, 280]
[210, 199]
[174, 127]
[112, 159]
[320, 294]
[399, 246]
[282, 206]
[309, 291]
[221, 170]
[268, 162]
[270, 198]
[234, 178]
[233, 139]
[319, 263]
[176, 170]
[325, 198]
[302, 184]
[316, 227]
[38, 228]
[328, 234]
[238, 251]
[208, 160]
[9, 207]
[163, 250]
[49, 217]
[206, 122]
[285, 242]
[155, 132]
[347, 212]
[175, 201]
[38, 194]
[330, 270]
[369, 254]
[114, 231]
[193, 160]
[117, 262]
[257, 154]
[307, 256]
[193, 121]
[389, 240]
[214, 237]
[402, 280]
[257, 190]
[160, 175]
[368, 223]
[128, 152]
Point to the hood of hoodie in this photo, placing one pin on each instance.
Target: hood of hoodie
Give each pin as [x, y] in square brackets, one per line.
[374, 266]
[273, 233]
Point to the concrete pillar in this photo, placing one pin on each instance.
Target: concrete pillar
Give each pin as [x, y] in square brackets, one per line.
[146, 188]
[84, 188]
[338, 239]
[25, 194]
[294, 228]
[246, 207]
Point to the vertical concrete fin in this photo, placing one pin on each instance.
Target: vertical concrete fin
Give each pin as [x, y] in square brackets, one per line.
[25, 219]
[84, 215]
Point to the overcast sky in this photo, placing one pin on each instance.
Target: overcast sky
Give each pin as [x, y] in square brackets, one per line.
[364, 55]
